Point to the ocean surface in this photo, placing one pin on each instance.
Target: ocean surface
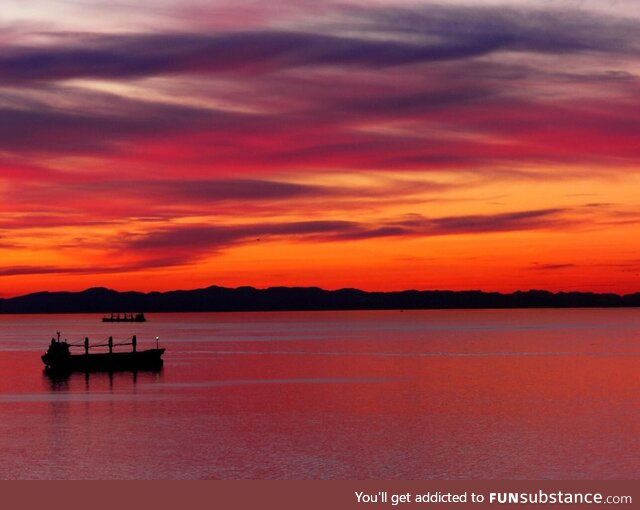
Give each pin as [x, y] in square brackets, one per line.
[508, 394]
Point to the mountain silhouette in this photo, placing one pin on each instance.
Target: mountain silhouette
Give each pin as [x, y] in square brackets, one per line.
[222, 299]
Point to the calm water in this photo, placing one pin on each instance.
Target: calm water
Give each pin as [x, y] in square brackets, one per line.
[368, 395]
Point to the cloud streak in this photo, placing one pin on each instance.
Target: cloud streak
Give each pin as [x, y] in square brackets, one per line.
[195, 241]
[439, 33]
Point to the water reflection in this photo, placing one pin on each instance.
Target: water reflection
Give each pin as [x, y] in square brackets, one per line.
[99, 381]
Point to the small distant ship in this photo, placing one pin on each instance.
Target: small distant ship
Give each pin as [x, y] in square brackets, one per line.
[58, 358]
[125, 317]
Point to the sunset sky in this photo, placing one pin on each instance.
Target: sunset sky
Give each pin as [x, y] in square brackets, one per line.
[382, 144]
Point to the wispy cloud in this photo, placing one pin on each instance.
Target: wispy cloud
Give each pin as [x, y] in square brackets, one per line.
[195, 241]
[553, 267]
[405, 36]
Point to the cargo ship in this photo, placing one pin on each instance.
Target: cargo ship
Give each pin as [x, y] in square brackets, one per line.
[125, 317]
[58, 358]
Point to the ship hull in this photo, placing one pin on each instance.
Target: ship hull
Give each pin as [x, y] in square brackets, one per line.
[150, 359]
[106, 319]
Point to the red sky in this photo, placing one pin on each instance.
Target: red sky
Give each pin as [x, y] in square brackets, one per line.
[381, 145]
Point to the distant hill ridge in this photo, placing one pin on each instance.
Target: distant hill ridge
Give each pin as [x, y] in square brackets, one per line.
[219, 299]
